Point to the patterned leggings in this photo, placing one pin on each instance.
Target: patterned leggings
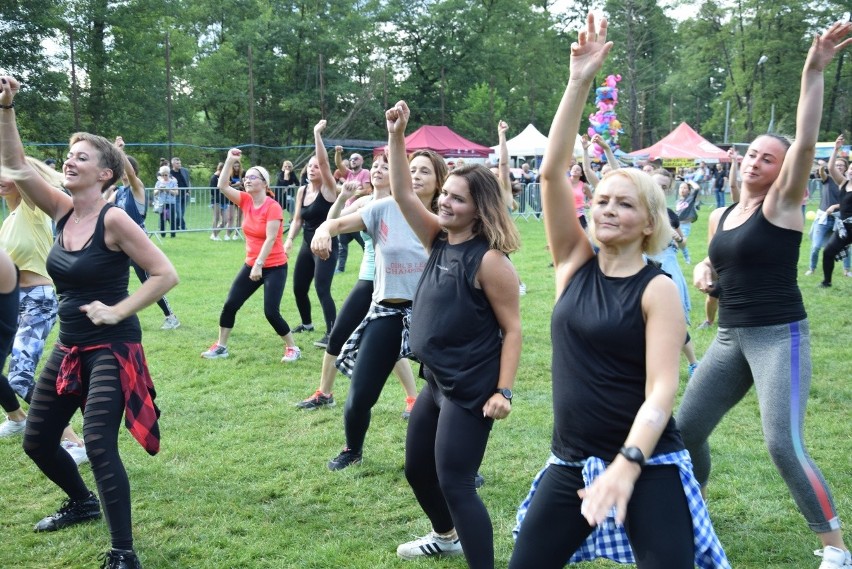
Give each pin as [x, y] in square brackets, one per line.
[36, 318]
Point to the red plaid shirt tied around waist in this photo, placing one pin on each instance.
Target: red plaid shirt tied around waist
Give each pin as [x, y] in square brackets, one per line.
[140, 411]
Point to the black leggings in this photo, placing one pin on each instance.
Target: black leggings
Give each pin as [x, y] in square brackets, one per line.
[444, 447]
[102, 417]
[353, 311]
[343, 247]
[834, 246]
[378, 352]
[272, 280]
[8, 398]
[658, 521]
[143, 276]
[168, 213]
[310, 267]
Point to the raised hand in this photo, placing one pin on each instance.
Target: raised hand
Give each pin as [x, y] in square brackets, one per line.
[9, 87]
[600, 141]
[397, 117]
[825, 46]
[502, 127]
[589, 51]
[838, 144]
[320, 126]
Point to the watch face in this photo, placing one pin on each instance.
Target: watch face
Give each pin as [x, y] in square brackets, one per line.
[505, 392]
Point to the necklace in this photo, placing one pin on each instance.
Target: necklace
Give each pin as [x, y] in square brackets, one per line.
[77, 218]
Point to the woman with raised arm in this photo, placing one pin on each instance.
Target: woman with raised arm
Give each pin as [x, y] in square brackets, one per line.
[97, 363]
[840, 214]
[27, 234]
[313, 201]
[265, 264]
[357, 303]
[381, 338]
[130, 196]
[763, 338]
[466, 330]
[617, 331]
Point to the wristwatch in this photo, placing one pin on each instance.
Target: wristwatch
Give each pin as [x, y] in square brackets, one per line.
[633, 454]
[505, 392]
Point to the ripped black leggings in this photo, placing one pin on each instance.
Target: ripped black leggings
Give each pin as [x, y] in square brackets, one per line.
[49, 414]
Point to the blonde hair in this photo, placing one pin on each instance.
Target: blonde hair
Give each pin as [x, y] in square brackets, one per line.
[653, 199]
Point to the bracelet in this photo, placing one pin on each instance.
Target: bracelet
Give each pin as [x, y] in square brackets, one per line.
[9, 106]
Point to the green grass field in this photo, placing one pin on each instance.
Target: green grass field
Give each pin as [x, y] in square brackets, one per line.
[241, 479]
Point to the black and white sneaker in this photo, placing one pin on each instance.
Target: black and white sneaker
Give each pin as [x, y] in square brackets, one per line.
[72, 512]
[303, 328]
[431, 545]
[347, 457]
[322, 342]
[120, 559]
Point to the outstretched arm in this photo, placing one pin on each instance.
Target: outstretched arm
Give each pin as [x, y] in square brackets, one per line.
[591, 176]
[503, 166]
[733, 174]
[832, 162]
[423, 222]
[329, 186]
[793, 179]
[12, 157]
[136, 185]
[568, 242]
[613, 162]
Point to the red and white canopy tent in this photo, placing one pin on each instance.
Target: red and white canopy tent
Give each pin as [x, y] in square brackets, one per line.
[443, 141]
[681, 145]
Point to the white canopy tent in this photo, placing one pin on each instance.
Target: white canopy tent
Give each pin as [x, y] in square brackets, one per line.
[530, 142]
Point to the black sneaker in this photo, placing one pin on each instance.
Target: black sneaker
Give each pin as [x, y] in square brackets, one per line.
[72, 512]
[322, 342]
[346, 458]
[303, 328]
[120, 559]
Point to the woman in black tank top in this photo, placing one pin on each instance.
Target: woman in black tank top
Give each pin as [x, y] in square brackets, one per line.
[99, 348]
[313, 202]
[617, 330]
[763, 338]
[466, 330]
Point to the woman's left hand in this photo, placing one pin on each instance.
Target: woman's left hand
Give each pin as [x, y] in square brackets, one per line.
[612, 488]
[497, 407]
[100, 314]
[397, 117]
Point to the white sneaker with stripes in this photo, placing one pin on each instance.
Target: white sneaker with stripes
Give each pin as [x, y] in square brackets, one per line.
[431, 545]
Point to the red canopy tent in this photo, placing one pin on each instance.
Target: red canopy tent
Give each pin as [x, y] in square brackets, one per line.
[443, 141]
[682, 143]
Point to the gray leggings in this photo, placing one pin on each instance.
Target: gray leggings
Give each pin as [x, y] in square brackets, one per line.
[777, 361]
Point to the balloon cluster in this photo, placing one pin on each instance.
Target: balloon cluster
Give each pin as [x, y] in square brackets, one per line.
[604, 122]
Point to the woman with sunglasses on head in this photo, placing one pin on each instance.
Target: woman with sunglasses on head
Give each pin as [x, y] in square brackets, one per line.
[265, 263]
[763, 340]
[98, 363]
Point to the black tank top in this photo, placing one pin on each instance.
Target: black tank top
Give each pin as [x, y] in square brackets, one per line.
[92, 273]
[453, 329]
[313, 215]
[756, 263]
[845, 201]
[598, 335]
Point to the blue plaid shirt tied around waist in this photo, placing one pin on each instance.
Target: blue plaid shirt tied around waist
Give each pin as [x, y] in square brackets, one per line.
[345, 362]
[610, 540]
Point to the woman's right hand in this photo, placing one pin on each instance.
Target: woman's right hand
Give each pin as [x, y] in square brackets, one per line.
[702, 277]
[319, 127]
[838, 144]
[321, 243]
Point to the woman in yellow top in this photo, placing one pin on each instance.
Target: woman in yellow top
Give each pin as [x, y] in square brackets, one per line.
[27, 235]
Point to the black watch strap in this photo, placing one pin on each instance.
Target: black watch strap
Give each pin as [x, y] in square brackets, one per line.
[633, 454]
